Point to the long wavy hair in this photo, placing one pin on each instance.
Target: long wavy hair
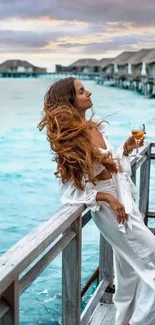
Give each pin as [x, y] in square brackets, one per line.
[69, 136]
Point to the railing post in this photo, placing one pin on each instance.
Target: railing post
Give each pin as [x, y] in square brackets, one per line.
[11, 295]
[106, 267]
[133, 176]
[71, 278]
[144, 185]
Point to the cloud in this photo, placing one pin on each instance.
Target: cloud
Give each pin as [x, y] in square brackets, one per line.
[73, 36]
[140, 12]
[83, 28]
[42, 25]
[36, 34]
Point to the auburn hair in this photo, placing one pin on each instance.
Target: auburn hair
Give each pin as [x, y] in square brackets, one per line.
[69, 136]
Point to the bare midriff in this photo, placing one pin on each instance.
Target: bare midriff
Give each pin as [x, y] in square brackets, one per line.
[104, 175]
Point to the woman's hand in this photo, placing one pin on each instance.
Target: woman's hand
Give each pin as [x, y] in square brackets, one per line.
[116, 206]
[131, 143]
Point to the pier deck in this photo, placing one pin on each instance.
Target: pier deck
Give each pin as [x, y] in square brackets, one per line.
[104, 314]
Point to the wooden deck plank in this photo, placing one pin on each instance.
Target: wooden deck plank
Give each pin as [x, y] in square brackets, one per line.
[93, 302]
[104, 314]
[109, 319]
[99, 314]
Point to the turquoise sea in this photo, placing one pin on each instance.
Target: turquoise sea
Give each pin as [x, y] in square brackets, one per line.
[28, 189]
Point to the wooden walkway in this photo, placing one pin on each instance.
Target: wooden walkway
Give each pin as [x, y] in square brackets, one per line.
[51, 75]
[104, 314]
[142, 85]
[62, 232]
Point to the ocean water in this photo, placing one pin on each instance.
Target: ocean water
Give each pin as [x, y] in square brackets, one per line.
[28, 189]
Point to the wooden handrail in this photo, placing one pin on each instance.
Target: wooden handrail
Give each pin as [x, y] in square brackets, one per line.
[62, 233]
[21, 255]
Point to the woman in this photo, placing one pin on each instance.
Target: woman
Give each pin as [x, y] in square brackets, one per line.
[92, 174]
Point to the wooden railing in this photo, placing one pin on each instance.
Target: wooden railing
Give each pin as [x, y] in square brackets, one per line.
[62, 233]
[144, 187]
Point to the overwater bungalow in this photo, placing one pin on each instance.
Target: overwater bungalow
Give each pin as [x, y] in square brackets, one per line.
[107, 70]
[104, 63]
[149, 61]
[118, 66]
[61, 69]
[121, 67]
[137, 64]
[85, 66]
[133, 70]
[19, 67]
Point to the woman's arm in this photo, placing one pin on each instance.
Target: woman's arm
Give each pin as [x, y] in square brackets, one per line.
[70, 194]
[116, 206]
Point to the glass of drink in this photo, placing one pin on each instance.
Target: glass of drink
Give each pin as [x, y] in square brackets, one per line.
[138, 131]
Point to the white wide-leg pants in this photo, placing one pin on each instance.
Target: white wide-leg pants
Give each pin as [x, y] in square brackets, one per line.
[134, 262]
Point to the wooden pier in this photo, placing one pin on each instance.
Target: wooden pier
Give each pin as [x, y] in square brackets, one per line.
[62, 233]
[142, 85]
[50, 75]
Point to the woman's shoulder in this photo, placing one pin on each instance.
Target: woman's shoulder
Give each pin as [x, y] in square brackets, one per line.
[96, 118]
[102, 124]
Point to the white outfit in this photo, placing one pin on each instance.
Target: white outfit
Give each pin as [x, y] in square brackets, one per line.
[133, 243]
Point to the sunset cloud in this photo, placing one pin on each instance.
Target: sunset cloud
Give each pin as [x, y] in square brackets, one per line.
[67, 30]
[44, 24]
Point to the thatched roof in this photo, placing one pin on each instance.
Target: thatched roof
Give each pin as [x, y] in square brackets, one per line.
[85, 62]
[121, 59]
[124, 57]
[150, 58]
[139, 57]
[105, 61]
[16, 63]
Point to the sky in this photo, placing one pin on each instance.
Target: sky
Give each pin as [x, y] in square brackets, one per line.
[49, 32]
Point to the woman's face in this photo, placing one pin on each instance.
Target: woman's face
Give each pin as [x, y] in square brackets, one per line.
[82, 99]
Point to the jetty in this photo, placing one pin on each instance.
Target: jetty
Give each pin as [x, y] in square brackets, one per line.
[51, 75]
[132, 70]
[62, 233]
